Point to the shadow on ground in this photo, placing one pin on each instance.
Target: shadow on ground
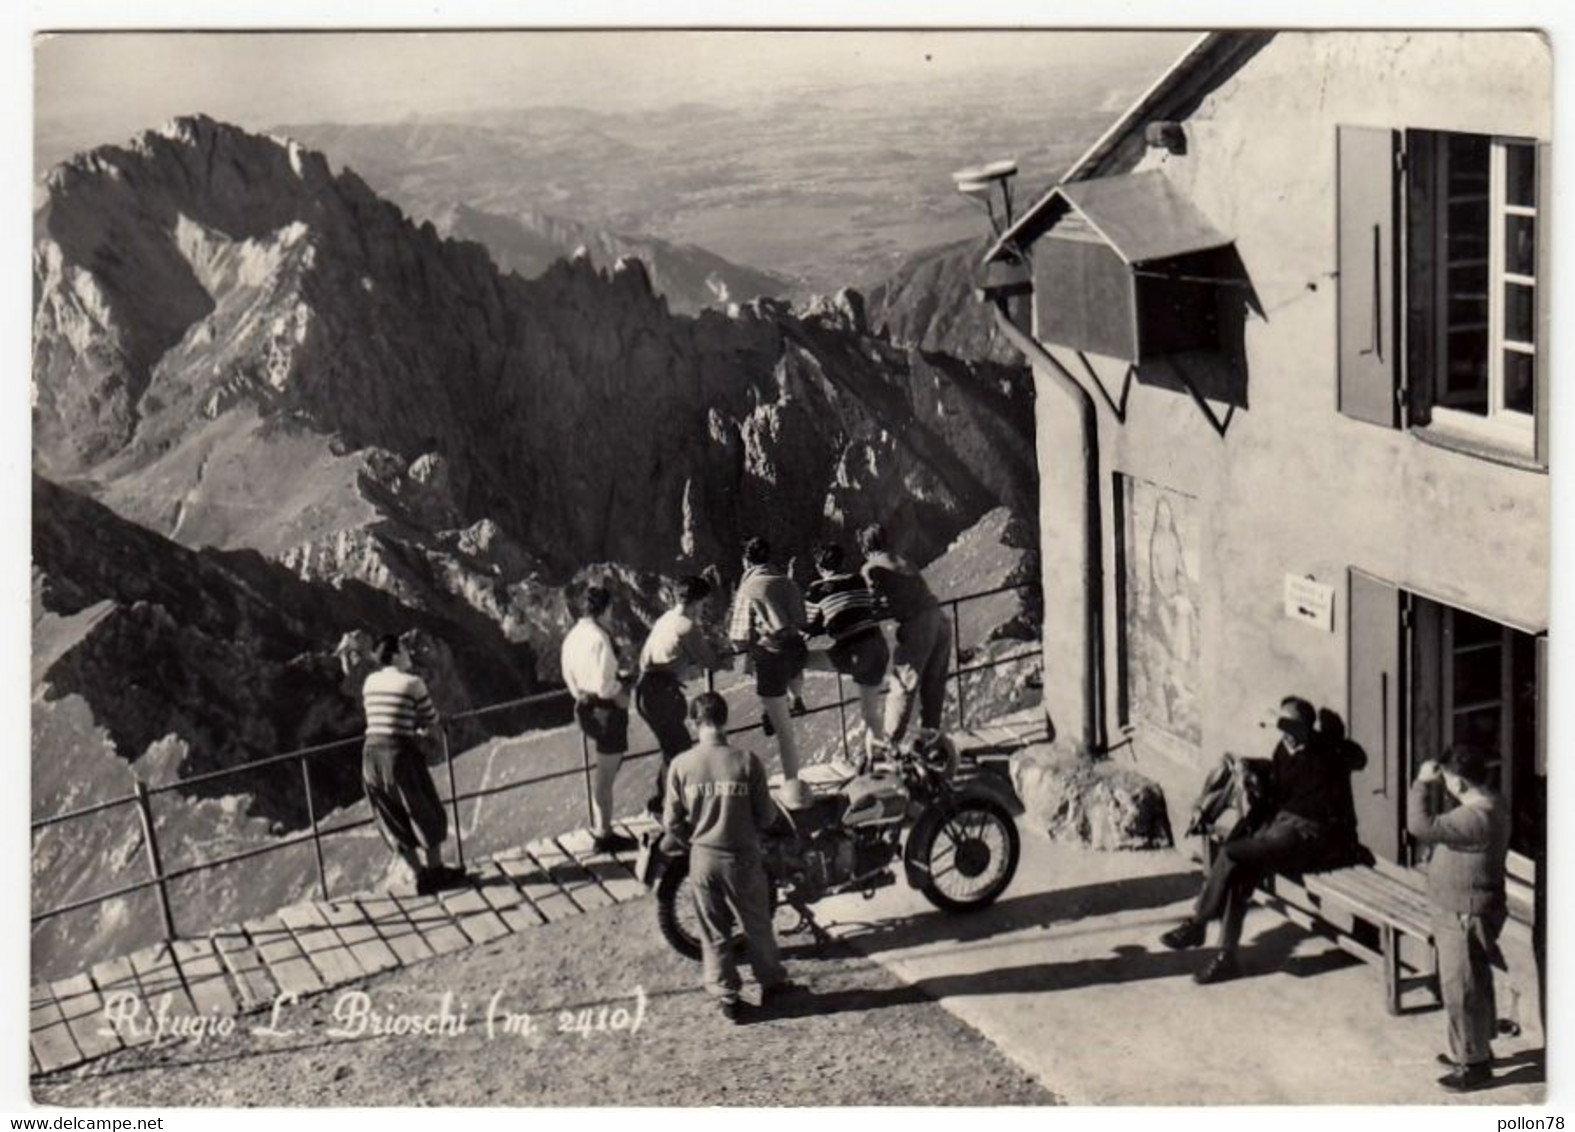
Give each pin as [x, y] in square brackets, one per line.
[1270, 953]
[1032, 910]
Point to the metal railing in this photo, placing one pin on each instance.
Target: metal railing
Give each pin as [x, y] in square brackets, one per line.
[160, 879]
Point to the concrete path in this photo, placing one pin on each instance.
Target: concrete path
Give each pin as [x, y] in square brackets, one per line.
[1066, 975]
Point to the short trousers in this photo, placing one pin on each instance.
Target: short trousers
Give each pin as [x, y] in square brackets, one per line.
[775, 669]
[863, 657]
[605, 724]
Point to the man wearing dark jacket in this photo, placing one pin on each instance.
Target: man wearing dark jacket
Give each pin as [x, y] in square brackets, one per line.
[718, 803]
[1306, 827]
[1465, 886]
[922, 659]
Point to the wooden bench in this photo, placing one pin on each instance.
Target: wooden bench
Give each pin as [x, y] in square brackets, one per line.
[1393, 905]
[1390, 902]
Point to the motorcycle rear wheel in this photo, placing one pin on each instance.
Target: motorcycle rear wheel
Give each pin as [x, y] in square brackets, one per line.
[971, 857]
[676, 917]
[675, 910]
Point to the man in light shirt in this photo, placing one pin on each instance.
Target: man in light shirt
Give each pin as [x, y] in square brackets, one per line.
[675, 650]
[589, 660]
[768, 623]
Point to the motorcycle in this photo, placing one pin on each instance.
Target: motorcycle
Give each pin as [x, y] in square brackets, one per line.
[950, 825]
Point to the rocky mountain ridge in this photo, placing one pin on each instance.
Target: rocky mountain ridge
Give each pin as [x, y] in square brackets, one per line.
[530, 241]
[224, 330]
[928, 303]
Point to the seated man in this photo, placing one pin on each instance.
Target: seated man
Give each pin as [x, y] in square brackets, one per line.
[1306, 826]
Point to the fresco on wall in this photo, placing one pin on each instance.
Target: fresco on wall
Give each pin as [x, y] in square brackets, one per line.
[1163, 610]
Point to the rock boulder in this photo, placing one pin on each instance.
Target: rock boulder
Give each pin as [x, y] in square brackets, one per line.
[1099, 804]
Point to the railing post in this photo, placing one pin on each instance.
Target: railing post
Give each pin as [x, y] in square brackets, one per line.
[957, 664]
[150, 839]
[590, 807]
[311, 816]
[453, 793]
[842, 715]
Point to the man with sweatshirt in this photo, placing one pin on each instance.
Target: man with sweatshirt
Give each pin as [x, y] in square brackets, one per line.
[718, 803]
[675, 649]
[768, 623]
[841, 607]
[1465, 886]
[922, 658]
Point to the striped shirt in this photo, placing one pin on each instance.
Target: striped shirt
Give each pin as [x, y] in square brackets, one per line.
[396, 703]
[840, 606]
[768, 610]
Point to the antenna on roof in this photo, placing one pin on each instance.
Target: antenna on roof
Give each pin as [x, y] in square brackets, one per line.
[979, 181]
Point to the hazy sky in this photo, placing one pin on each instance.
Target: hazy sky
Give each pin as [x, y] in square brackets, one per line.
[96, 87]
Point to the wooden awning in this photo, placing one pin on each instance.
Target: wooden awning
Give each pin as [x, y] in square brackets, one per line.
[1141, 216]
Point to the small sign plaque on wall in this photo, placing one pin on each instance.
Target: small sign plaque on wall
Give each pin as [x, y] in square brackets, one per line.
[1309, 602]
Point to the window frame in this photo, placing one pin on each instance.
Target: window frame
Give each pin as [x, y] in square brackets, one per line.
[1499, 426]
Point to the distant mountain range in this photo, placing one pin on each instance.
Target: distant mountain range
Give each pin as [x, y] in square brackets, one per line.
[531, 241]
[822, 194]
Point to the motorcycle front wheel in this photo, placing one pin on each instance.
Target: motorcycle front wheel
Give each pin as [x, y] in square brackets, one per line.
[970, 857]
[676, 916]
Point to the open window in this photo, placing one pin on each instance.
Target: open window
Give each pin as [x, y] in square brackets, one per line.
[1443, 289]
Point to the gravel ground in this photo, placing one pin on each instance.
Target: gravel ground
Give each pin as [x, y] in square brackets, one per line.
[859, 1037]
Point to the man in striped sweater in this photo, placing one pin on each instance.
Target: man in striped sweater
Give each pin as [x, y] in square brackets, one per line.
[922, 659]
[399, 788]
[841, 606]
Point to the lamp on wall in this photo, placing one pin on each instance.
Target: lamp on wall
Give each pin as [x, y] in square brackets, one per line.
[1168, 136]
[980, 182]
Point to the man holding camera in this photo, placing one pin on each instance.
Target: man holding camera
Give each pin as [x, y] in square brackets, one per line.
[1465, 886]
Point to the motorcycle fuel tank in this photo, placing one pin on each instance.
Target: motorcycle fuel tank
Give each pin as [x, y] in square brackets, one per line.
[874, 799]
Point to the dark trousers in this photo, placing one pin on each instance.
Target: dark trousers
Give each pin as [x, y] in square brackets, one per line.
[659, 698]
[919, 667]
[1289, 843]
